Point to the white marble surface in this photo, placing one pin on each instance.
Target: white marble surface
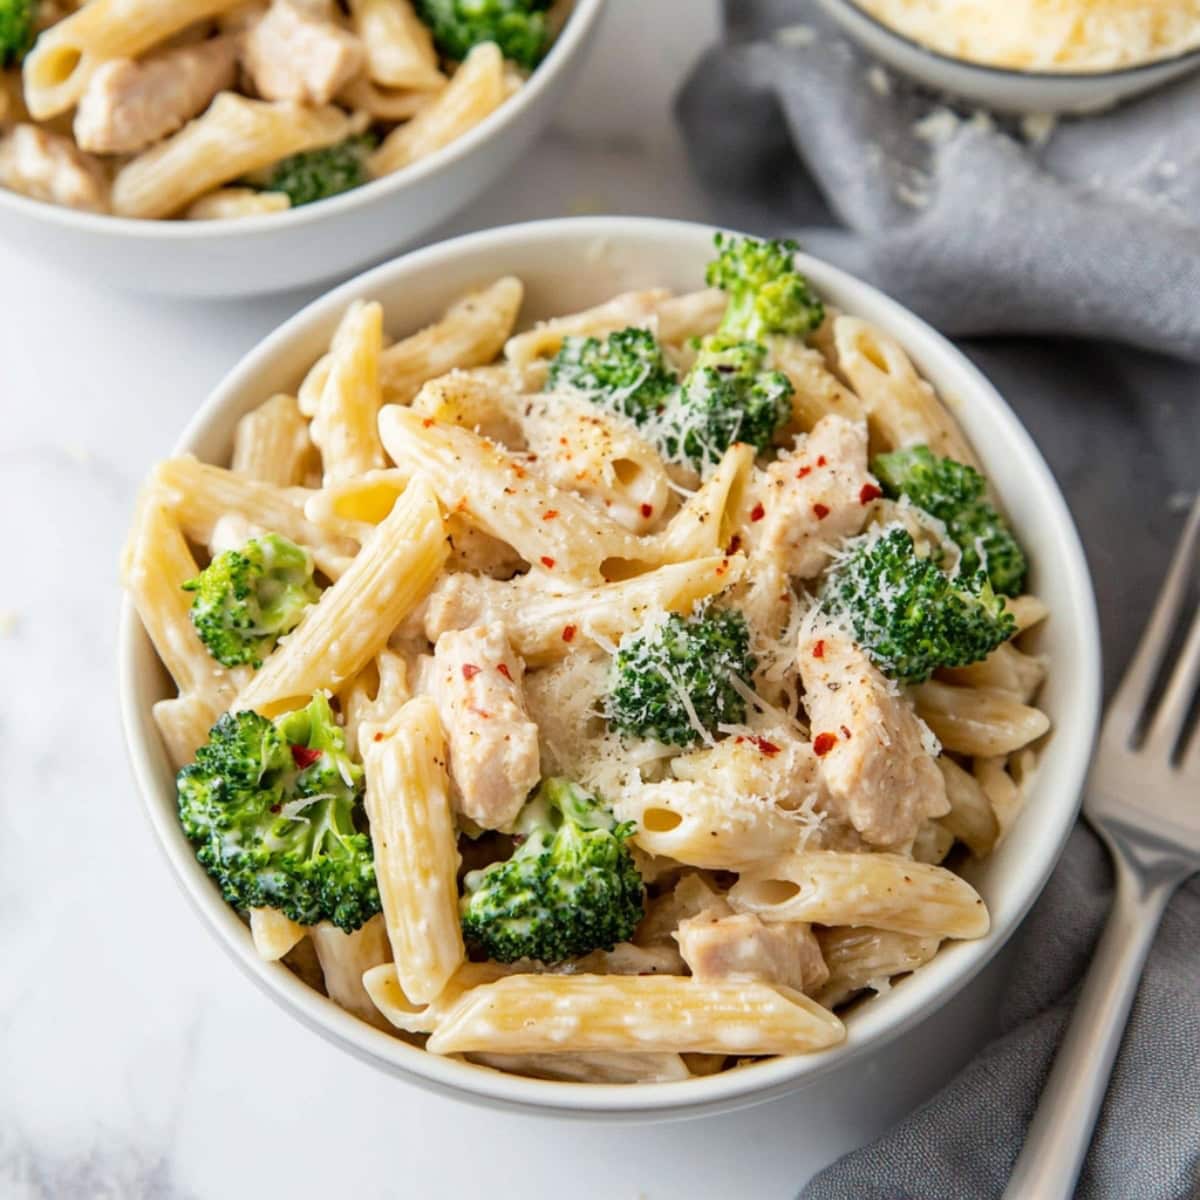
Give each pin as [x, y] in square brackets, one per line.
[134, 1060]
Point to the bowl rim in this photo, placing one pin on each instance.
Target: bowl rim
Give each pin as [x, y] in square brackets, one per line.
[926, 991]
[579, 25]
[1111, 74]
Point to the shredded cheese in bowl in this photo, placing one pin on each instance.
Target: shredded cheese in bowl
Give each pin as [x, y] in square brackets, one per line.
[1047, 35]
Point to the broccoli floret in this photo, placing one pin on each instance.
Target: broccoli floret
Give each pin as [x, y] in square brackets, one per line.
[247, 599]
[956, 494]
[318, 174]
[519, 27]
[16, 30]
[766, 293]
[570, 887]
[678, 668]
[907, 613]
[624, 372]
[271, 807]
[725, 398]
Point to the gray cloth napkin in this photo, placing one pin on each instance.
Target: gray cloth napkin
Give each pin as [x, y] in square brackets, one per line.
[1094, 234]
[976, 226]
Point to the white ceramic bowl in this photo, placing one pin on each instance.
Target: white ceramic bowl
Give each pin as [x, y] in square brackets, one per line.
[566, 265]
[1001, 88]
[317, 241]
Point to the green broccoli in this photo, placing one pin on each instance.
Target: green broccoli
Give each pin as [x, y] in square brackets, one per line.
[624, 372]
[906, 612]
[570, 887]
[680, 672]
[725, 398]
[16, 30]
[766, 293]
[956, 494]
[272, 809]
[318, 174]
[247, 599]
[519, 27]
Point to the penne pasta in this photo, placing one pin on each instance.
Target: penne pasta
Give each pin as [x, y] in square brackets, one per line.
[886, 891]
[503, 497]
[351, 622]
[344, 958]
[200, 495]
[474, 92]
[970, 819]
[471, 333]
[703, 826]
[274, 933]
[399, 46]
[602, 1067]
[233, 203]
[977, 720]
[383, 986]
[416, 855]
[545, 339]
[345, 423]
[233, 138]
[272, 444]
[868, 958]
[538, 1014]
[901, 408]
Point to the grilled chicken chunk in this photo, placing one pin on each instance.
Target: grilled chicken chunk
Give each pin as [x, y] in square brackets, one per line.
[812, 497]
[297, 52]
[130, 104]
[50, 167]
[873, 750]
[744, 947]
[476, 682]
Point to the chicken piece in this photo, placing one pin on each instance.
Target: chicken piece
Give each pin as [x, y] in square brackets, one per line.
[50, 167]
[744, 947]
[297, 52]
[692, 895]
[812, 497]
[874, 751]
[130, 104]
[461, 600]
[476, 682]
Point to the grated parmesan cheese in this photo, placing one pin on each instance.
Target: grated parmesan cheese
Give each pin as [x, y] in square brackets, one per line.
[1047, 35]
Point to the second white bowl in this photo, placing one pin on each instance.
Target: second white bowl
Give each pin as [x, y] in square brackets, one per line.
[317, 241]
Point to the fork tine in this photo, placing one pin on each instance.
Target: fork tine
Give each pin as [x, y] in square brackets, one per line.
[1176, 703]
[1130, 700]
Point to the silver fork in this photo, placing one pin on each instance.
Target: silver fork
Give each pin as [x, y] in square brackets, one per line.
[1143, 799]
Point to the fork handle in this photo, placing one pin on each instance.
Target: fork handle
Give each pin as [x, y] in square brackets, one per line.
[1061, 1129]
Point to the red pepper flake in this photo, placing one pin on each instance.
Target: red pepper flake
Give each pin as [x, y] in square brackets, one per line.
[846, 733]
[738, 740]
[819, 649]
[518, 470]
[735, 544]
[768, 748]
[757, 513]
[427, 422]
[821, 460]
[531, 457]
[800, 474]
[869, 492]
[379, 737]
[547, 562]
[470, 670]
[568, 633]
[503, 669]
[303, 757]
[723, 566]
[823, 743]
[821, 511]
[550, 514]
[647, 511]
[277, 808]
